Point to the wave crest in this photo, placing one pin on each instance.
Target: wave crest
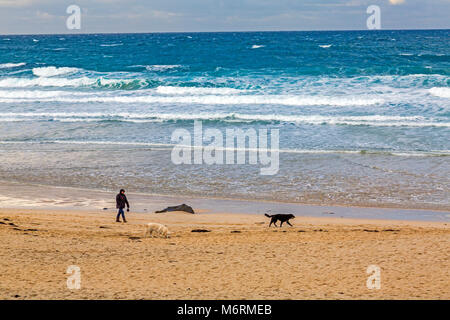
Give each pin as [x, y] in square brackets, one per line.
[369, 120]
[53, 71]
[11, 65]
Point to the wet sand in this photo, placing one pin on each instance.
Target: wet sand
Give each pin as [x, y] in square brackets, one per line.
[32, 196]
[240, 258]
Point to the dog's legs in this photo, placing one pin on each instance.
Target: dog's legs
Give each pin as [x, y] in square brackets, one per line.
[288, 223]
[281, 224]
[275, 224]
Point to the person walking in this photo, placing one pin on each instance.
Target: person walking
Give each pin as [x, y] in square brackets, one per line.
[121, 201]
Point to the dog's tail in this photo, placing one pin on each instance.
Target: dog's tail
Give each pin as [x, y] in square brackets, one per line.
[268, 216]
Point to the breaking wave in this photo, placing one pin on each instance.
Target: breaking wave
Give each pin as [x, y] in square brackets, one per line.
[373, 120]
[53, 71]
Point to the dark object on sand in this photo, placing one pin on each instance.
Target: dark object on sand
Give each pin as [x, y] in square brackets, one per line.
[182, 207]
[235, 231]
[281, 217]
[200, 230]
[367, 230]
[105, 208]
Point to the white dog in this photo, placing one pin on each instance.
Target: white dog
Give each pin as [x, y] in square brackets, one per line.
[156, 228]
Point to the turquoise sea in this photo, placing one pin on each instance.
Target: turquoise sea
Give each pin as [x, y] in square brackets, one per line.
[363, 116]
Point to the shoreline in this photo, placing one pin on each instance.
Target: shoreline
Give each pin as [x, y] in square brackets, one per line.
[15, 195]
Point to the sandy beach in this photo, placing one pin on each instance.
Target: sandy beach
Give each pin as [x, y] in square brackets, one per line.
[240, 258]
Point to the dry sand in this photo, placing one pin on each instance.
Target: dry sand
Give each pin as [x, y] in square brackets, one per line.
[318, 258]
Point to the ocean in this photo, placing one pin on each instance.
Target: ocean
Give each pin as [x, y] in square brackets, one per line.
[363, 116]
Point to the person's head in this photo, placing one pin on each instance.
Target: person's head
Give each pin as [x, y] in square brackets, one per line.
[122, 191]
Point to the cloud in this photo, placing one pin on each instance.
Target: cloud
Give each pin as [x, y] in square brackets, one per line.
[14, 3]
[44, 15]
[396, 2]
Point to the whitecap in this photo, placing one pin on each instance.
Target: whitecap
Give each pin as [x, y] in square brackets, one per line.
[256, 46]
[325, 45]
[53, 71]
[162, 67]
[11, 65]
[111, 44]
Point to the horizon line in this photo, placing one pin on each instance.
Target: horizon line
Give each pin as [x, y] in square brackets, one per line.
[240, 31]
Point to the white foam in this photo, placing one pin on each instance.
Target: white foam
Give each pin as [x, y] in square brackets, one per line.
[11, 65]
[256, 46]
[372, 120]
[46, 82]
[53, 71]
[325, 45]
[37, 94]
[195, 90]
[162, 67]
[62, 82]
[406, 153]
[111, 44]
[229, 99]
[441, 92]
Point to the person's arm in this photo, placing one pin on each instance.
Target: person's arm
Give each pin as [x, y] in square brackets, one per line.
[117, 201]
[126, 201]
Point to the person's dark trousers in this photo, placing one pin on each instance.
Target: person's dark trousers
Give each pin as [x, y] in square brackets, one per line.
[121, 212]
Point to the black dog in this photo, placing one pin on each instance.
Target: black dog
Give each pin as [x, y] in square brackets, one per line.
[281, 217]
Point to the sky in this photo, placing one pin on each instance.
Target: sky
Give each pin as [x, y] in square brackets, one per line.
[127, 16]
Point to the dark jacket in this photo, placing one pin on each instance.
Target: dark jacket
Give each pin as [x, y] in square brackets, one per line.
[121, 201]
